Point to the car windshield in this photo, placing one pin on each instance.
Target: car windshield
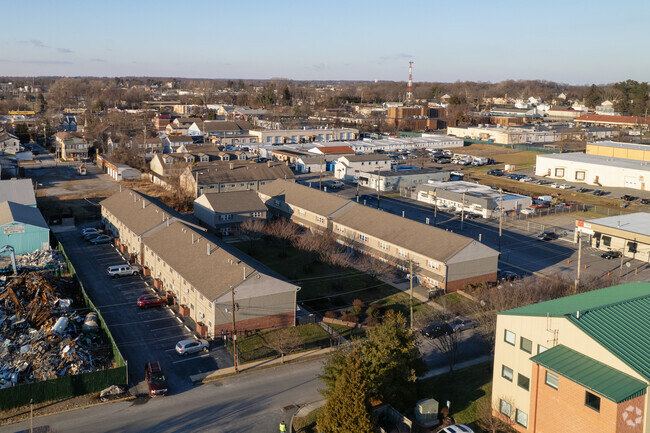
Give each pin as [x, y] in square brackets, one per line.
[158, 379]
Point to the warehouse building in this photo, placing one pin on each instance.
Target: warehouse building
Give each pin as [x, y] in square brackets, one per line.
[575, 364]
[616, 149]
[594, 170]
[396, 180]
[628, 234]
[23, 227]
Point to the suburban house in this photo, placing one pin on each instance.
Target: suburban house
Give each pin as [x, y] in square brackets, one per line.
[222, 176]
[9, 143]
[348, 167]
[71, 146]
[172, 142]
[200, 271]
[225, 212]
[628, 234]
[19, 191]
[575, 364]
[181, 125]
[23, 227]
[441, 259]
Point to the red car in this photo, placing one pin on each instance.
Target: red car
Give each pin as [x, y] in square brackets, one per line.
[155, 378]
[147, 301]
[538, 206]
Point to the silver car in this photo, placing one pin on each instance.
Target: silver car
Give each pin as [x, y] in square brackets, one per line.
[185, 347]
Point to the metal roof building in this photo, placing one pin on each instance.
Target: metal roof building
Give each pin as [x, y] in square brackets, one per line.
[628, 234]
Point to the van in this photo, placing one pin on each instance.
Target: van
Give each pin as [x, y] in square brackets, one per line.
[121, 271]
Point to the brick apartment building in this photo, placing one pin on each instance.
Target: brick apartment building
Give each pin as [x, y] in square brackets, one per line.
[416, 118]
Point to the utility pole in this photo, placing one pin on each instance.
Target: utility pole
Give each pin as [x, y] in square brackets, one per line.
[620, 270]
[357, 173]
[577, 282]
[462, 211]
[234, 332]
[378, 179]
[411, 287]
[320, 178]
[500, 216]
[435, 206]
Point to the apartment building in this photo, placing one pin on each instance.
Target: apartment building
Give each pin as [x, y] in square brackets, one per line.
[225, 212]
[575, 364]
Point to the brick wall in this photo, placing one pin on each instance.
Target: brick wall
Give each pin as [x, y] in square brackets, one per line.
[455, 285]
[262, 323]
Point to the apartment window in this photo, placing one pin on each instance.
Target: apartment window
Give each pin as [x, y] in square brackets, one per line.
[509, 337]
[592, 401]
[301, 212]
[383, 245]
[256, 214]
[191, 306]
[631, 247]
[340, 228]
[505, 408]
[552, 380]
[433, 265]
[607, 241]
[559, 172]
[580, 175]
[402, 253]
[320, 219]
[521, 418]
[507, 373]
[363, 238]
[523, 382]
[541, 349]
[526, 345]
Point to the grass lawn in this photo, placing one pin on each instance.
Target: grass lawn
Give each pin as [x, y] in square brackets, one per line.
[252, 347]
[463, 390]
[455, 303]
[306, 424]
[348, 332]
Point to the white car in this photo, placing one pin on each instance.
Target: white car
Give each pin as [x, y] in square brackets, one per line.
[458, 428]
[462, 323]
[185, 347]
[527, 211]
[526, 179]
[554, 185]
[564, 186]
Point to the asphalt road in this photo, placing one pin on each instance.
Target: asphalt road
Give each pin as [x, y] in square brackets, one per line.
[252, 402]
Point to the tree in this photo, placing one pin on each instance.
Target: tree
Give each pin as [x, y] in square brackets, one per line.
[348, 408]
[486, 419]
[22, 133]
[283, 341]
[434, 92]
[286, 96]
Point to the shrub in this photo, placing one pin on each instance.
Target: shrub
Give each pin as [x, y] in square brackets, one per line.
[377, 307]
[358, 303]
[371, 312]
[355, 310]
[331, 314]
[372, 321]
[349, 317]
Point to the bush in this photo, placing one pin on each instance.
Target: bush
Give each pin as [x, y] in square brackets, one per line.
[331, 315]
[355, 310]
[372, 321]
[371, 312]
[358, 303]
[349, 317]
[377, 307]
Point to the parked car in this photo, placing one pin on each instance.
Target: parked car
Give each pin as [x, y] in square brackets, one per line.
[334, 184]
[117, 271]
[644, 201]
[458, 428]
[90, 230]
[554, 185]
[155, 378]
[541, 182]
[185, 347]
[101, 239]
[565, 186]
[599, 192]
[472, 216]
[495, 172]
[93, 234]
[506, 275]
[443, 160]
[628, 197]
[460, 324]
[609, 255]
[527, 211]
[538, 205]
[526, 179]
[547, 236]
[437, 329]
[146, 301]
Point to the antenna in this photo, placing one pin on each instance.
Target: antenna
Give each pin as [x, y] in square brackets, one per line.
[409, 92]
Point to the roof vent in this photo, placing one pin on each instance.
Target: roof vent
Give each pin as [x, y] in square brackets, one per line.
[208, 245]
[578, 314]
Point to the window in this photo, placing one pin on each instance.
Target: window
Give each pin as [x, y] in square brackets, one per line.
[521, 418]
[320, 219]
[301, 212]
[509, 337]
[541, 349]
[631, 247]
[433, 265]
[552, 380]
[363, 238]
[256, 214]
[402, 253]
[383, 245]
[340, 228]
[580, 175]
[505, 408]
[523, 382]
[507, 373]
[592, 401]
[526, 345]
[559, 172]
[607, 241]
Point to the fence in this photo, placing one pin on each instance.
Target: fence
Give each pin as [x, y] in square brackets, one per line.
[69, 386]
[514, 146]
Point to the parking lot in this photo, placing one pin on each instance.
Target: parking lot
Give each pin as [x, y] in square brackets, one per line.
[142, 335]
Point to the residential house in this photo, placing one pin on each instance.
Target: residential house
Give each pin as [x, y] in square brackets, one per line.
[9, 143]
[181, 125]
[576, 363]
[225, 212]
[23, 227]
[172, 142]
[222, 176]
[348, 167]
[441, 259]
[71, 146]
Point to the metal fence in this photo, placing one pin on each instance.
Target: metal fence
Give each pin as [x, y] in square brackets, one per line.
[74, 385]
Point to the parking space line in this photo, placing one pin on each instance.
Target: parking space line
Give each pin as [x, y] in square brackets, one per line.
[190, 359]
[166, 327]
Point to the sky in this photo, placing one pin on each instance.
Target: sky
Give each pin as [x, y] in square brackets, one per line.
[570, 41]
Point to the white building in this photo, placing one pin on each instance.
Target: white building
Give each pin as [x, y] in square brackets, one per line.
[594, 170]
[348, 167]
[396, 180]
[282, 136]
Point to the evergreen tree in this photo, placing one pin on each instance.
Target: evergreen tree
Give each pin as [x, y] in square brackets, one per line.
[348, 408]
[593, 97]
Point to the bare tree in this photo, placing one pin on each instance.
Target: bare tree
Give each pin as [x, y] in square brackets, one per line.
[485, 410]
[283, 341]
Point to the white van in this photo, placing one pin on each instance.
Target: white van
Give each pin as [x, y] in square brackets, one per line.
[121, 271]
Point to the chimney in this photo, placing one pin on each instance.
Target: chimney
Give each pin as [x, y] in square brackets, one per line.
[232, 165]
[192, 238]
[268, 163]
[143, 204]
[208, 245]
[244, 273]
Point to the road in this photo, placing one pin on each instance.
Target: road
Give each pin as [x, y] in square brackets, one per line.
[251, 402]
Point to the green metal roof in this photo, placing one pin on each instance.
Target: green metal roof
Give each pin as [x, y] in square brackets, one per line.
[616, 317]
[593, 375]
[584, 301]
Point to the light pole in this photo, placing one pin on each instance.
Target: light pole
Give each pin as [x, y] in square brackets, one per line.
[234, 332]
[500, 216]
[356, 172]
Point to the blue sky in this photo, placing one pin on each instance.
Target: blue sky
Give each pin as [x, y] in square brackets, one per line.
[572, 41]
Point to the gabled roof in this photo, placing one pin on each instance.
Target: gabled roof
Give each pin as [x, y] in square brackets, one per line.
[240, 171]
[232, 202]
[16, 212]
[18, 191]
[310, 199]
[211, 274]
[593, 375]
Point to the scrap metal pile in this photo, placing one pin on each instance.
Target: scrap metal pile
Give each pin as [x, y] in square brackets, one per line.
[42, 336]
[51, 259]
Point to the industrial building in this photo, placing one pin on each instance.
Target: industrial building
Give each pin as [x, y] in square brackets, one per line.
[470, 197]
[628, 234]
[616, 149]
[511, 135]
[575, 364]
[416, 118]
[282, 136]
[23, 227]
[398, 179]
[594, 170]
